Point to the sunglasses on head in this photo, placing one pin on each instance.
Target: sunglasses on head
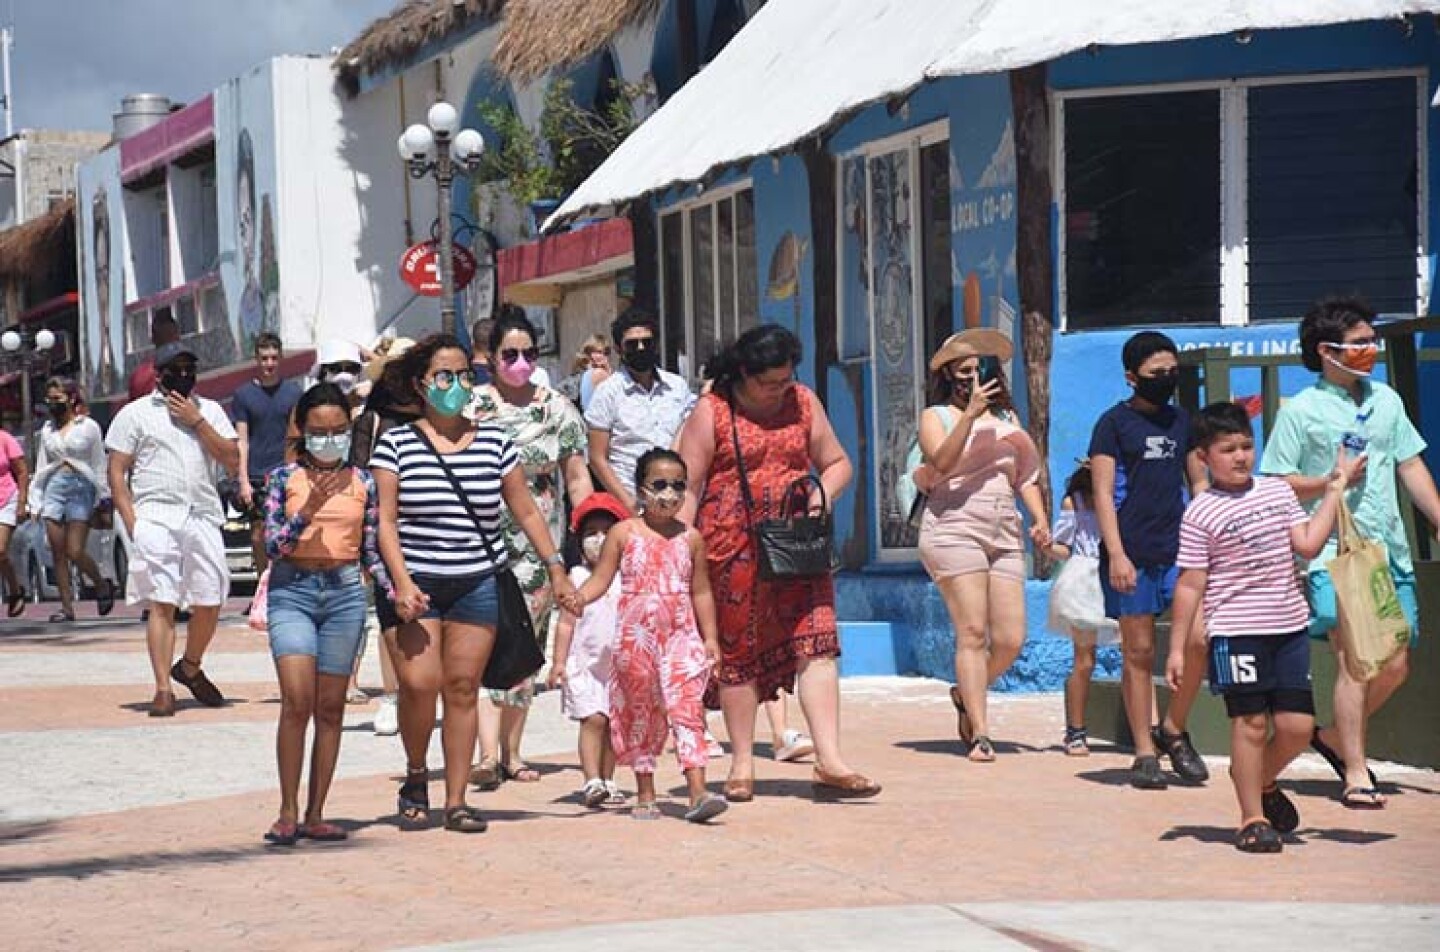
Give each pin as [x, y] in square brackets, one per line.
[660, 485]
[512, 354]
[445, 379]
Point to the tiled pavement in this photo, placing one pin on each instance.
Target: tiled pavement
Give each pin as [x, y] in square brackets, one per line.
[119, 832]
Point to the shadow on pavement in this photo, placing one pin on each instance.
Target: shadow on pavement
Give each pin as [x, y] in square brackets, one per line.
[16, 832]
[1224, 835]
[182, 705]
[958, 748]
[140, 862]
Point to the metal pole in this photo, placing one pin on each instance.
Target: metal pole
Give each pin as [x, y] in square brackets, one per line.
[7, 39]
[444, 176]
[27, 420]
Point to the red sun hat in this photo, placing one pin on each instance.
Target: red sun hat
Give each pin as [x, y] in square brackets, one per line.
[598, 502]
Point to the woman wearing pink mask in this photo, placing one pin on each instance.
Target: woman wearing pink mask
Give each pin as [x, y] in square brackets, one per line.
[550, 436]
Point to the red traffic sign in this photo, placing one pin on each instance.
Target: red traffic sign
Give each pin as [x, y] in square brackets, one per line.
[420, 267]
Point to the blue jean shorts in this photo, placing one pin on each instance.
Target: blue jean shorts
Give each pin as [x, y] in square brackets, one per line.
[467, 599]
[320, 614]
[1324, 616]
[1154, 588]
[69, 497]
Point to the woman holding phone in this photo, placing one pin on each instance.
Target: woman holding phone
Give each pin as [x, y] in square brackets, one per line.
[977, 460]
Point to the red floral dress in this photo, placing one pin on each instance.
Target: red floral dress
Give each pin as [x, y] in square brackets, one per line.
[765, 626]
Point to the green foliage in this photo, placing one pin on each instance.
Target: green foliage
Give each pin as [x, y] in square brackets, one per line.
[570, 144]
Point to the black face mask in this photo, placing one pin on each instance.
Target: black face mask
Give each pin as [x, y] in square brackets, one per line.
[58, 408]
[641, 360]
[178, 381]
[1156, 390]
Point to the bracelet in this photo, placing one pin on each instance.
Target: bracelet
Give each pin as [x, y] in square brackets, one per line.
[554, 558]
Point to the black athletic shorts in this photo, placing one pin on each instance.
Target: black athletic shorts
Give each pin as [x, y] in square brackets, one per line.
[1260, 673]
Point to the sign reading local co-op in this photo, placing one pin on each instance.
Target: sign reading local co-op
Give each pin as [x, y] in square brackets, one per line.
[420, 267]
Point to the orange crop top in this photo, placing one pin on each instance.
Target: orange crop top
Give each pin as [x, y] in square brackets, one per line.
[335, 532]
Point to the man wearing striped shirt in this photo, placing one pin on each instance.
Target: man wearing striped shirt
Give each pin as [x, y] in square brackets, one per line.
[167, 450]
[1238, 542]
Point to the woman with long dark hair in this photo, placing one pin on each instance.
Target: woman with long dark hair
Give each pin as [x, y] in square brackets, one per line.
[442, 482]
[321, 525]
[774, 633]
[977, 461]
[69, 484]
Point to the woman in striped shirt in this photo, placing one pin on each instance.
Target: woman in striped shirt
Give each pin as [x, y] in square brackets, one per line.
[437, 541]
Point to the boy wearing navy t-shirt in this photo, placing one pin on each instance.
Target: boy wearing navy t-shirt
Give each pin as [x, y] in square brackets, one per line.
[1140, 460]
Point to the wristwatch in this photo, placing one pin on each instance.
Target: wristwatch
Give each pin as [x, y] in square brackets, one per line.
[553, 558]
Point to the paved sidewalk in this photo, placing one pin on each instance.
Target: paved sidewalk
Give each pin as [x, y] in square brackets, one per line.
[121, 832]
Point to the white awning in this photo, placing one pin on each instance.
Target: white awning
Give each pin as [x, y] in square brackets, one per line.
[800, 65]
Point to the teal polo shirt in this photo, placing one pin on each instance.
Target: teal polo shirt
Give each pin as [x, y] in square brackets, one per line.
[1306, 439]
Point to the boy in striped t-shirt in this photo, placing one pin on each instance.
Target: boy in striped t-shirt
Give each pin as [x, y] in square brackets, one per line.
[1238, 542]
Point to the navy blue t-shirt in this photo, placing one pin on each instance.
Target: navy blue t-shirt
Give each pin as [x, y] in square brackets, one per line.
[1150, 480]
[266, 411]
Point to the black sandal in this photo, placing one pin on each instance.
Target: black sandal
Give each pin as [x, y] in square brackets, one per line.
[982, 751]
[105, 603]
[1258, 836]
[61, 617]
[15, 603]
[465, 819]
[1279, 810]
[963, 727]
[1333, 758]
[413, 801]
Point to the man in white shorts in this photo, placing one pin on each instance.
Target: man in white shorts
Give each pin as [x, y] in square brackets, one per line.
[167, 450]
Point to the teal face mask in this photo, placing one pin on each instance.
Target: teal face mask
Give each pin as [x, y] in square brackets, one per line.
[449, 401]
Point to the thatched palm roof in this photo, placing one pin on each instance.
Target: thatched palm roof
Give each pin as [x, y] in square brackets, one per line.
[394, 39]
[41, 252]
[541, 35]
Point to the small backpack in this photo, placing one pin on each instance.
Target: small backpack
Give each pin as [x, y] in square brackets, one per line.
[905, 489]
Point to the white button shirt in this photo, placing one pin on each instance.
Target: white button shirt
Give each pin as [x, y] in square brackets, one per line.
[637, 419]
[172, 477]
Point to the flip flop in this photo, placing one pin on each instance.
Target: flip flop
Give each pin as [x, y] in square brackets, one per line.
[15, 603]
[282, 833]
[1362, 798]
[486, 775]
[105, 603]
[963, 727]
[709, 807]
[321, 832]
[520, 773]
[1333, 758]
[649, 810]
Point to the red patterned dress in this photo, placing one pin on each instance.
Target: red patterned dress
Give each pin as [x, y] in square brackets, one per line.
[765, 626]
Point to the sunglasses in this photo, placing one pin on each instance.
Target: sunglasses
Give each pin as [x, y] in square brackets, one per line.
[342, 368]
[445, 379]
[660, 485]
[511, 354]
[1356, 345]
[638, 344]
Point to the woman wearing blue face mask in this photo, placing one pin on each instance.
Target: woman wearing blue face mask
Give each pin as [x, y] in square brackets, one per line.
[321, 524]
[442, 482]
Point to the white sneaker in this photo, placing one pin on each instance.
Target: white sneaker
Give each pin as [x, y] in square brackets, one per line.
[594, 793]
[387, 717]
[794, 745]
[613, 789]
[712, 746]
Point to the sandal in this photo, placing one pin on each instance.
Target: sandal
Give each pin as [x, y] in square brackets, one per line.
[982, 751]
[1333, 758]
[1258, 836]
[321, 832]
[486, 775]
[15, 603]
[645, 810]
[963, 725]
[413, 801]
[357, 696]
[520, 773]
[282, 833]
[707, 809]
[465, 819]
[61, 617]
[105, 598]
[1076, 742]
[1362, 798]
[1279, 810]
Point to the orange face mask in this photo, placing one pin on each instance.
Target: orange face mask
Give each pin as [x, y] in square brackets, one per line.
[1357, 358]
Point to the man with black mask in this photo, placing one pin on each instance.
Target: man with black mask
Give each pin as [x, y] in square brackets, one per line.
[167, 451]
[636, 410]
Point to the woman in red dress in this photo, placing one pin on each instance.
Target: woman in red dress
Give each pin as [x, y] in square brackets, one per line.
[772, 632]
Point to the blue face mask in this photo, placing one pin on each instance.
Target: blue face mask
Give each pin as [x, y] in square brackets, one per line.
[328, 448]
[449, 401]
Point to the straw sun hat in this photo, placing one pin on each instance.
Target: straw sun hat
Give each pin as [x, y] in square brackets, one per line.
[975, 342]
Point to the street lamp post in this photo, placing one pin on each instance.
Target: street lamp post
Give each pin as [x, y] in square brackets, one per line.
[440, 150]
[26, 351]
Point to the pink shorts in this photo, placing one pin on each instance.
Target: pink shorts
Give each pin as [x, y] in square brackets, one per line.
[980, 535]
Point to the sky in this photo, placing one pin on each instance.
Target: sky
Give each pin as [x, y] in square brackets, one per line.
[73, 60]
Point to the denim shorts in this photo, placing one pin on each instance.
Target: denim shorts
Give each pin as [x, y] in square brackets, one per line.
[1154, 588]
[69, 497]
[320, 614]
[467, 599]
[1325, 617]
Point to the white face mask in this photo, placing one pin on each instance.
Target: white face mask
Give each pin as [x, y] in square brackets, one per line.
[345, 381]
[592, 545]
[328, 448]
[665, 500]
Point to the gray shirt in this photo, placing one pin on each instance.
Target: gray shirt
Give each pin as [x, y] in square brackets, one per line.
[172, 477]
[638, 419]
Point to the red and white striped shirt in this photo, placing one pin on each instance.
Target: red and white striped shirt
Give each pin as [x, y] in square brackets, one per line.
[1242, 540]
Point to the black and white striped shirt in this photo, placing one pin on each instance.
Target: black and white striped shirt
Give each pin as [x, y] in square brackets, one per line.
[437, 534]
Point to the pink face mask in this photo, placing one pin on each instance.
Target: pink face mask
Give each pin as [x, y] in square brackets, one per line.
[516, 374]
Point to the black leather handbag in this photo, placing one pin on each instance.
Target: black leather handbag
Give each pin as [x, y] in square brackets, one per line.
[800, 542]
[516, 654]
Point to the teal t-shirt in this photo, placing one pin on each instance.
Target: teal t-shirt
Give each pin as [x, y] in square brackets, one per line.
[1306, 440]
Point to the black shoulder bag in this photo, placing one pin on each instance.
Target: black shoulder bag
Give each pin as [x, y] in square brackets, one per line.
[516, 654]
[798, 544]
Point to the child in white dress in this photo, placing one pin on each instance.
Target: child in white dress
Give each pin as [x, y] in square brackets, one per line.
[1077, 606]
[584, 649]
